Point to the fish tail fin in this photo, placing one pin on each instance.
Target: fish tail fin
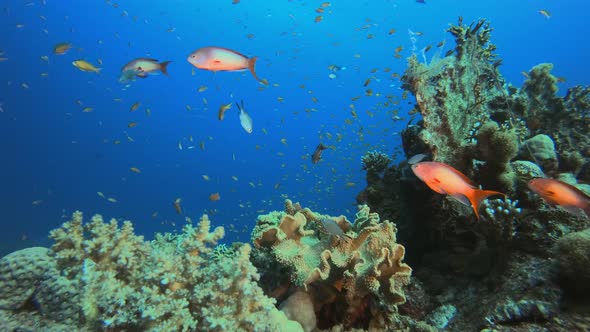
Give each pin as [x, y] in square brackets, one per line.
[251, 65]
[478, 196]
[164, 67]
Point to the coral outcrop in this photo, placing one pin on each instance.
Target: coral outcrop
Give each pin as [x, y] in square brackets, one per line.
[573, 262]
[99, 276]
[355, 269]
[495, 273]
[20, 273]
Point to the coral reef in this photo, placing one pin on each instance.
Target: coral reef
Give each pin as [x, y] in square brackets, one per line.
[498, 273]
[453, 93]
[20, 272]
[355, 269]
[573, 259]
[101, 276]
[375, 163]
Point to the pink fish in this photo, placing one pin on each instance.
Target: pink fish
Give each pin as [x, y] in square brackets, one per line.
[222, 59]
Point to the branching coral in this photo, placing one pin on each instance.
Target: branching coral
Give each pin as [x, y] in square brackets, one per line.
[375, 161]
[101, 276]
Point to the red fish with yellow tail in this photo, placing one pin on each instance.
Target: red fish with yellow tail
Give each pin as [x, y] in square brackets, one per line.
[444, 179]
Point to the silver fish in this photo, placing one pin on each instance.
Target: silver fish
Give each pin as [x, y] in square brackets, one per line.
[245, 119]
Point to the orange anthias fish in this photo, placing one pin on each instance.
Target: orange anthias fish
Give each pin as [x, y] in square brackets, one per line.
[222, 59]
[444, 179]
[560, 193]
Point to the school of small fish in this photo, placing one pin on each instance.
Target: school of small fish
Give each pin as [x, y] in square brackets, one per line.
[325, 151]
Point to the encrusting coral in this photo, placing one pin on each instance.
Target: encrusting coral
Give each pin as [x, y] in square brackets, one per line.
[99, 276]
[333, 259]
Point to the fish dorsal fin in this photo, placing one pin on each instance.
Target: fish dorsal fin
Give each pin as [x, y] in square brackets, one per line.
[576, 190]
[463, 177]
[229, 50]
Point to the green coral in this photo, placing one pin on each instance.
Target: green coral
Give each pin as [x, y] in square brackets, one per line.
[497, 146]
[573, 262]
[103, 276]
[454, 93]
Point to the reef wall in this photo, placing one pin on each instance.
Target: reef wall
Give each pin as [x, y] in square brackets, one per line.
[506, 270]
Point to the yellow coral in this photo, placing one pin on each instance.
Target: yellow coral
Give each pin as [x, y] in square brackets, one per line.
[366, 261]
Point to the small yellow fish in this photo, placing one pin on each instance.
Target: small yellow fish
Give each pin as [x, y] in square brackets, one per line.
[135, 106]
[222, 110]
[100, 194]
[112, 200]
[545, 13]
[203, 88]
[235, 178]
[85, 66]
[205, 177]
[62, 48]
[135, 170]
[37, 202]
[132, 124]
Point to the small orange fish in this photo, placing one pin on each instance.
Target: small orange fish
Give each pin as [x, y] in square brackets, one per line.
[222, 59]
[214, 197]
[560, 193]
[444, 179]
[61, 48]
[177, 205]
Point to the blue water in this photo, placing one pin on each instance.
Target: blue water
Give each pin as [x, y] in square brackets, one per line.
[55, 158]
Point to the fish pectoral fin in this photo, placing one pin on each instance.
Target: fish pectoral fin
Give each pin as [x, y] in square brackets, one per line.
[462, 198]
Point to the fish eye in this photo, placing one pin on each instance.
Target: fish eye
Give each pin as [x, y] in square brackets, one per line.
[139, 68]
[193, 56]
